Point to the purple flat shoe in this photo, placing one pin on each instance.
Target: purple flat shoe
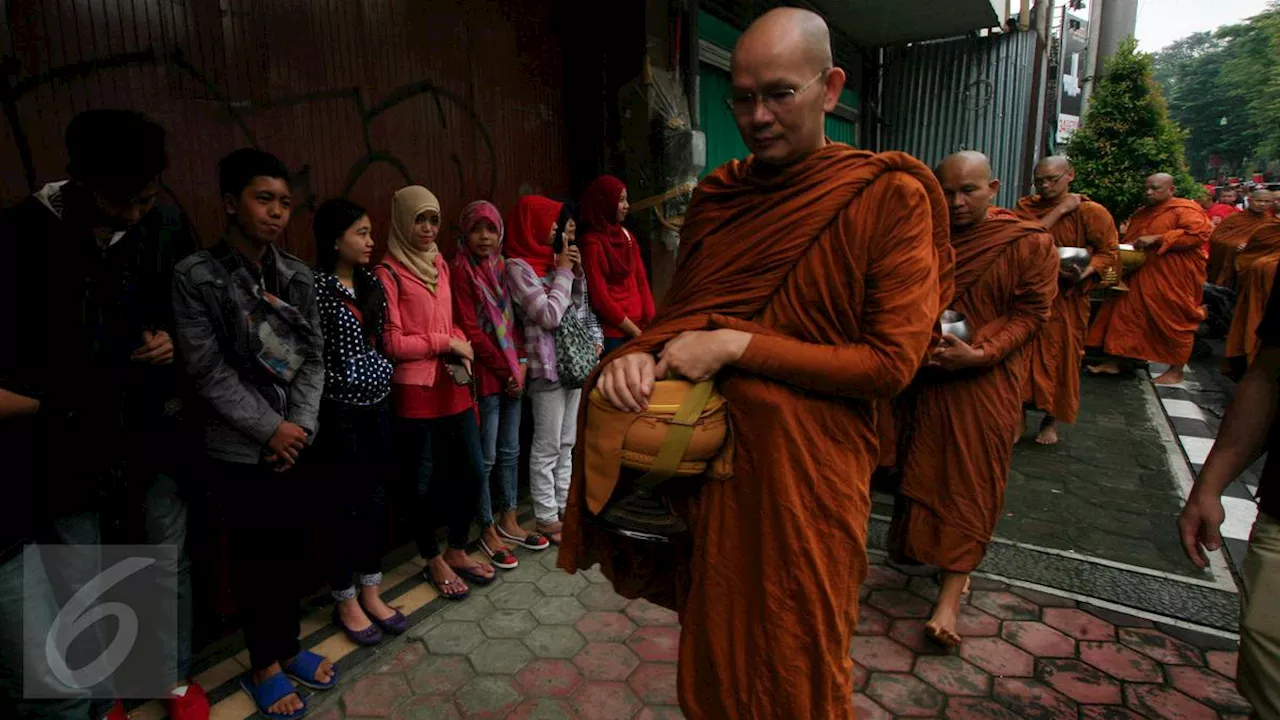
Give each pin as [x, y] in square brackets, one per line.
[367, 637]
[397, 624]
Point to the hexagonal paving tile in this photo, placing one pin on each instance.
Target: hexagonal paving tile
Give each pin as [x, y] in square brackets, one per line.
[1160, 647]
[554, 641]
[881, 577]
[976, 623]
[558, 610]
[904, 695]
[1209, 688]
[594, 576]
[654, 683]
[1083, 683]
[1032, 699]
[602, 597]
[543, 709]
[658, 643]
[644, 613]
[561, 584]
[606, 661]
[1108, 712]
[1038, 639]
[599, 626]
[911, 634]
[375, 695]
[528, 572]
[487, 696]
[548, 558]
[860, 675]
[882, 654]
[1079, 624]
[871, 621]
[500, 657]
[1118, 619]
[925, 587]
[508, 624]
[1004, 605]
[655, 712]
[426, 707]
[454, 638]
[953, 676]
[900, 604]
[1165, 702]
[962, 708]
[518, 596]
[1224, 662]
[549, 677]
[441, 675]
[473, 609]
[1120, 662]
[408, 657]
[866, 709]
[605, 701]
[998, 657]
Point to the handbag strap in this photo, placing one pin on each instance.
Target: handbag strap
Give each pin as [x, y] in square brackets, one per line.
[680, 433]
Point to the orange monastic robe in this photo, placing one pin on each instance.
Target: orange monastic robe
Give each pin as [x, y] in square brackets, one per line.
[1255, 275]
[1231, 233]
[1053, 363]
[1157, 319]
[959, 427]
[838, 265]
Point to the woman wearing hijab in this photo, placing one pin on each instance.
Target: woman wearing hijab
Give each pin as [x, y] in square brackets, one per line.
[615, 272]
[544, 287]
[431, 402]
[483, 310]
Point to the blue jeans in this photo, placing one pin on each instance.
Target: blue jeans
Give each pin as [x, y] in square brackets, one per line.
[500, 445]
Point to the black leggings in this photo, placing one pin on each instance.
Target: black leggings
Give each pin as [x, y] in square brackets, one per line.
[354, 450]
[453, 444]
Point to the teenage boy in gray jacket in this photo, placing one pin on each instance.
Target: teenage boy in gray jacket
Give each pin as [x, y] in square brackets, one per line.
[248, 336]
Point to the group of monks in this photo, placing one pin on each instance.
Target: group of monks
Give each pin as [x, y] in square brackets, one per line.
[810, 285]
[1244, 252]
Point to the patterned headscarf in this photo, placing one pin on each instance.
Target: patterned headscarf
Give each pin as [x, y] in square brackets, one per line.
[486, 275]
[406, 205]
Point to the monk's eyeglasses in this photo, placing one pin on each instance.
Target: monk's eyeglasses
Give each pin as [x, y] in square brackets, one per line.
[1043, 181]
[774, 100]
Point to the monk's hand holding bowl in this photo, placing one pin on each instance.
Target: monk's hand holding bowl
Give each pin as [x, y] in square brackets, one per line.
[627, 381]
[952, 353]
[698, 356]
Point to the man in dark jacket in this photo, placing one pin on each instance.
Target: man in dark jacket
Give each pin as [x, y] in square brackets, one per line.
[87, 394]
[248, 336]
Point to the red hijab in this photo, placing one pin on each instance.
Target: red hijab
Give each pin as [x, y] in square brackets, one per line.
[528, 228]
[600, 228]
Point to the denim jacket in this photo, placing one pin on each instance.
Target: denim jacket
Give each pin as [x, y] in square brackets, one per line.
[245, 404]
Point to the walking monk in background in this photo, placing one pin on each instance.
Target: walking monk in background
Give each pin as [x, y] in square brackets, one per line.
[1157, 319]
[961, 415]
[1232, 233]
[1255, 268]
[810, 284]
[1074, 221]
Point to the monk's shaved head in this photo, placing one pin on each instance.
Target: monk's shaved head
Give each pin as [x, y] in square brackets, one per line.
[966, 181]
[794, 30]
[1260, 201]
[1159, 189]
[783, 84]
[1053, 177]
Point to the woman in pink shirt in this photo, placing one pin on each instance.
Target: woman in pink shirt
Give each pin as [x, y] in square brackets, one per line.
[431, 399]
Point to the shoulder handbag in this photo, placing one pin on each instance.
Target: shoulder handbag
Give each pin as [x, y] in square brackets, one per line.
[575, 351]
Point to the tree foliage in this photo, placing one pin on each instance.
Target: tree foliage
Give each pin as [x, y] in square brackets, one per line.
[1224, 88]
[1127, 136]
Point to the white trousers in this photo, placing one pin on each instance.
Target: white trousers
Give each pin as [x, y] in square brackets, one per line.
[555, 430]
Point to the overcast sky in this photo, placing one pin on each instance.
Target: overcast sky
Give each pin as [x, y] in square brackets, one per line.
[1161, 22]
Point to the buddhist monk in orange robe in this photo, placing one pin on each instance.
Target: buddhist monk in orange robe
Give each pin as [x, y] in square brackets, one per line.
[1255, 276]
[961, 415]
[1074, 221]
[810, 283]
[1230, 236]
[1157, 319]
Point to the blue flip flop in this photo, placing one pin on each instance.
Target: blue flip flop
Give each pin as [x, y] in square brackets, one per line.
[304, 668]
[271, 691]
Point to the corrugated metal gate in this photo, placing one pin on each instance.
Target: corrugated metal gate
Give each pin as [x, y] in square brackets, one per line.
[964, 94]
[358, 97]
